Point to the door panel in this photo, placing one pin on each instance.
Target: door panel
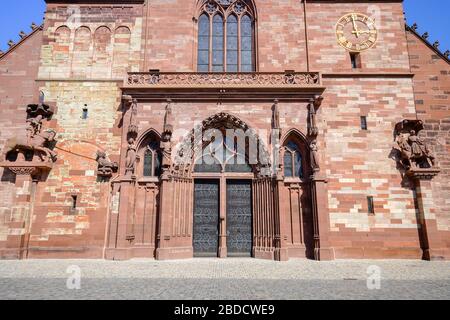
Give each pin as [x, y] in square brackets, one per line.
[206, 218]
[239, 218]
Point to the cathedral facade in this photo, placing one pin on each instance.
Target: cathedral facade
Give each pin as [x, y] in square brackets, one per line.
[173, 129]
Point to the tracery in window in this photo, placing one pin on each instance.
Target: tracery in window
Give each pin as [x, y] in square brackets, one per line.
[226, 36]
[152, 160]
[293, 161]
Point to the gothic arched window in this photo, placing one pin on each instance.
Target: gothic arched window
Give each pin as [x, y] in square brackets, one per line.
[293, 161]
[226, 37]
[152, 160]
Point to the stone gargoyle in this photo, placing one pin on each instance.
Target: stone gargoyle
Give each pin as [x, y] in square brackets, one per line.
[105, 166]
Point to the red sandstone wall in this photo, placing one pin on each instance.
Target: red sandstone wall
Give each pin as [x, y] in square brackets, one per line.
[18, 72]
[86, 54]
[432, 95]
[100, 43]
[359, 163]
[390, 54]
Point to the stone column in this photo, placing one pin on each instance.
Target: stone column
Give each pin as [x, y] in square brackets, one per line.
[124, 221]
[281, 250]
[319, 192]
[223, 253]
[321, 217]
[20, 226]
[432, 245]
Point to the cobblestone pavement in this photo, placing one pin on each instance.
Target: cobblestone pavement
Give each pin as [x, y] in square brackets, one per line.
[224, 279]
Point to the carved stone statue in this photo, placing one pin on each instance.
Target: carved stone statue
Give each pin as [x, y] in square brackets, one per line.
[131, 158]
[276, 115]
[313, 131]
[34, 140]
[36, 143]
[133, 127]
[105, 166]
[419, 148]
[168, 118]
[166, 149]
[166, 139]
[314, 156]
[412, 150]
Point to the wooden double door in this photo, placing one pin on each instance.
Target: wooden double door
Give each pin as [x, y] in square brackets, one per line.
[235, 228]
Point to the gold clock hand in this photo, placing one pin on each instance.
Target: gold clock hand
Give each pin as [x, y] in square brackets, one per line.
[362, 32]
[355, 27]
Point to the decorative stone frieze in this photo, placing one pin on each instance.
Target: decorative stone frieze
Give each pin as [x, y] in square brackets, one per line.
[156, 78]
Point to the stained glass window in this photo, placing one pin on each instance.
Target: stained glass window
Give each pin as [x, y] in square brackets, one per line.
[217, 44]
[226, 37]
[203, 43]
[152, 160]
[293, 161]
[246, 44]
[232, 44]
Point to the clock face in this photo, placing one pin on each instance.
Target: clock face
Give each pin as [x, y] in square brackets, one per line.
[356, 32]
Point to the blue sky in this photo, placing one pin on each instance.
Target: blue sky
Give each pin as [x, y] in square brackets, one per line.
[430, 15]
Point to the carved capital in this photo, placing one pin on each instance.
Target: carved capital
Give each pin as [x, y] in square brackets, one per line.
[23, 171]
[31, 168]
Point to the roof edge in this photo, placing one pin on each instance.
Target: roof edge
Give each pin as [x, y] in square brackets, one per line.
[35, 28]
[424, 38]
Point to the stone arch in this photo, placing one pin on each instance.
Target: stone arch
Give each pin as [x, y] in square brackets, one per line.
[226, 7]
[121, 51]
[145, 133]
[193, 144]
[62, 33]
[82, 53]
[61, 50]
[101, 67]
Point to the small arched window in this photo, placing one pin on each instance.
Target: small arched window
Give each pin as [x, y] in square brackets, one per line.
[152, 160]
[226, 37]
[293, 161]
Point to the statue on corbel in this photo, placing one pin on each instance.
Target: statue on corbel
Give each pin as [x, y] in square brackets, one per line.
[166, 140]
[132, 133]
[276, 140]
[413, 154]
[32, 147]
[313, 106]
[313, 132]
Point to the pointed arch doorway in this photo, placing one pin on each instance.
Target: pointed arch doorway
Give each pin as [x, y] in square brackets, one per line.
[225, 167]
[223, 217]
